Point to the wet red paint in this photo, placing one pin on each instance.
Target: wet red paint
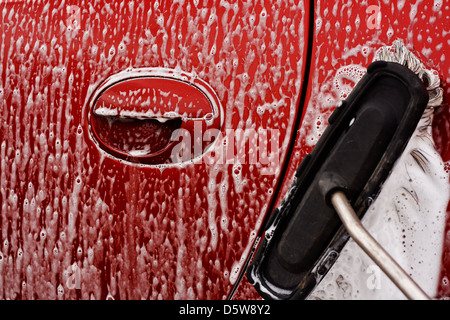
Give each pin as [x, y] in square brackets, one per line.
[141, 232]
[348, 35]
[134, 231]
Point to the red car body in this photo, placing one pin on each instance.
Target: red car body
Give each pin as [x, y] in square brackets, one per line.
[88, 211]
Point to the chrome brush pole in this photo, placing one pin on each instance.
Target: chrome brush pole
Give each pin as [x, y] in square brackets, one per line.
[374, 250]
[400, 54]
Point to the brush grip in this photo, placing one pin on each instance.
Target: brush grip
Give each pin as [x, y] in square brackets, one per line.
[355, 154]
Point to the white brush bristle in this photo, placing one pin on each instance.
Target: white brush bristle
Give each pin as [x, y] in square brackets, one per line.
[408, 217]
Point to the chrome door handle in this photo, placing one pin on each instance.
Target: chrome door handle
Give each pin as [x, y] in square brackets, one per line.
[149, 115]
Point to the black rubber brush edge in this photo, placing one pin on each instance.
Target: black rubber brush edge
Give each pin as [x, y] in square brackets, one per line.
[306, 172]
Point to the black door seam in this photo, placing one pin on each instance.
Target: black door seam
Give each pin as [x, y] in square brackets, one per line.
[301, 106]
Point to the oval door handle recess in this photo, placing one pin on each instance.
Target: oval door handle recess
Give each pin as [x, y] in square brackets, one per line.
[143, 115]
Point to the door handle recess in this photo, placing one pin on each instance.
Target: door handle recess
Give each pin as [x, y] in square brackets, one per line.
[154, 116]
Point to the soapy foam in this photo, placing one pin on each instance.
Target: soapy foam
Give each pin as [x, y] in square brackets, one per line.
[64, 229]
[408, 216]
[408, 220]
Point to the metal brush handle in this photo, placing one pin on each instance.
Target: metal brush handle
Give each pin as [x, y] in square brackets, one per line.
[375, 251]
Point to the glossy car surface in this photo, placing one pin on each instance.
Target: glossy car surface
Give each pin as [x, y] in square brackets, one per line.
[90, 208]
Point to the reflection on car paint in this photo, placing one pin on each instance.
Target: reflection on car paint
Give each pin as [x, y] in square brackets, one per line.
[88, 226]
